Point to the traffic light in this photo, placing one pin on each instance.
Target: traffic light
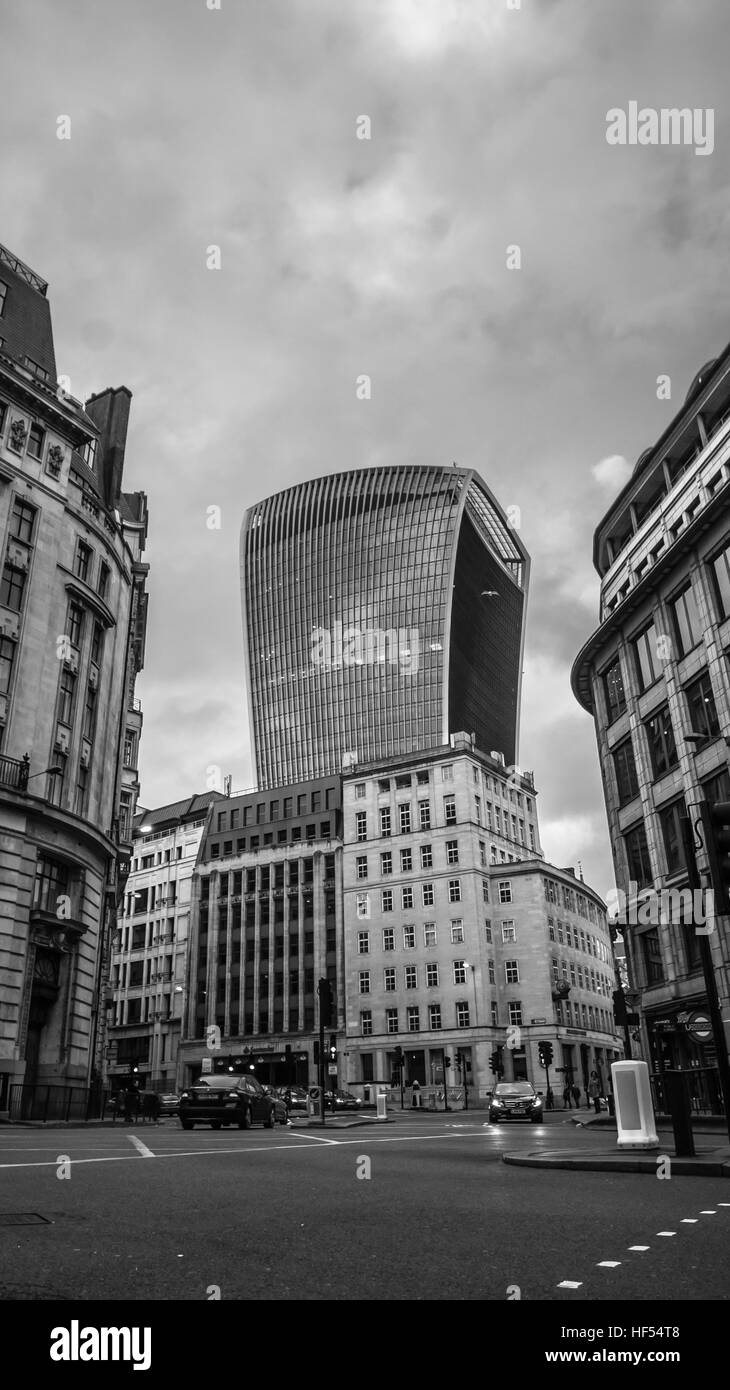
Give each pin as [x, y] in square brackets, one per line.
[447, 1061]
[326, 1002]
[333, 1047]
[494, 1062]
[316, 1052]
[716, 825]
[545, 1053]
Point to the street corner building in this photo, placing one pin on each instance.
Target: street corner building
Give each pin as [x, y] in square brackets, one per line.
[383, 608]
[655, 677]
[72, 636]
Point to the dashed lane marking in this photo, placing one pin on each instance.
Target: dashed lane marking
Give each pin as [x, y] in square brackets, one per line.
[608, 1264]
[569, 1284]
[140, 1147]
[639, 1247]
[666, 1233]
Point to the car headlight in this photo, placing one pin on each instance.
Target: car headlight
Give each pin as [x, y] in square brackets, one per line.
[537, 1104]
[233, 1095]
[497, 1104]
[185, 1095]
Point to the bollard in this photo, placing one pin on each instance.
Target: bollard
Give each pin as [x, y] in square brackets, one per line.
[634, 1110]
[382, 1106]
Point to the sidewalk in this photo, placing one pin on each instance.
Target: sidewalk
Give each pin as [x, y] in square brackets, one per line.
[711, 1160]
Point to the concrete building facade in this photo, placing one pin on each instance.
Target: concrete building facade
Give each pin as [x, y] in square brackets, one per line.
[655, 677]
[72, 622]
[459, 939]
[144, 999]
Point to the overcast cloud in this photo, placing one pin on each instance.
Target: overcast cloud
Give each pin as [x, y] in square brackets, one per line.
[192, 127]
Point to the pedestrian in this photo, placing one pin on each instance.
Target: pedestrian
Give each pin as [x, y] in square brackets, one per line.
[576, 1095]
[129, 1099]
[594, 1092]
[567, 1104]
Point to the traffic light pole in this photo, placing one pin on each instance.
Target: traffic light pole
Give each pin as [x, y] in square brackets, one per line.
[321, 1065]
[708, 969]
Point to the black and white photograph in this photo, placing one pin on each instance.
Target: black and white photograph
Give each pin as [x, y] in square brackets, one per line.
[364, 676]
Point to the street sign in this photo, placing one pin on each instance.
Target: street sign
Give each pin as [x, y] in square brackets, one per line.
[314, 1093]
[332, 1069]
[699, 1025]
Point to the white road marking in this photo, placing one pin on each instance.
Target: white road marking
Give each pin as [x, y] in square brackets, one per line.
[321, 1139]
[608, 1264]
[708, 1213]
[689, 1220]
[639, 1247]
[140, 1147]
[568, 1284]
[666, 1233]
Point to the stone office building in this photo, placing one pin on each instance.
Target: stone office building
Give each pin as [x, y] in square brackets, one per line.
[265, 926]
[655, 675]
[459, 938]
[72, 624]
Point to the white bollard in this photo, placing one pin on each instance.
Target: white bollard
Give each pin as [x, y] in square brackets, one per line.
[382, 1106]
[634, 1109]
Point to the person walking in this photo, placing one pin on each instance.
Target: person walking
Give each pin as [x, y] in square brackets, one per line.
[594, 1092]
[567, 1103]
[576, 1095]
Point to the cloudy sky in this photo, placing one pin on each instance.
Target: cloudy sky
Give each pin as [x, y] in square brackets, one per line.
[237, 127]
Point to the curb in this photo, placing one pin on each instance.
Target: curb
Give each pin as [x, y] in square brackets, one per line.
[681, 1167]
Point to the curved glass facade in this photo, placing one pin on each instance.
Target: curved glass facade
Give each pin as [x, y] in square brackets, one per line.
[366, 630]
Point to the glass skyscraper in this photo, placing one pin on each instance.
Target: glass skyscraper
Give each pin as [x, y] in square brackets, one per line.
[383, 609]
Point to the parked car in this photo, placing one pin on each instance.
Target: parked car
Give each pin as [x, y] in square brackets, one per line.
[515, 1100]
[226, 1100]
[277, 1095]
[344, 1100]
[169, 1104]
[297, 1097]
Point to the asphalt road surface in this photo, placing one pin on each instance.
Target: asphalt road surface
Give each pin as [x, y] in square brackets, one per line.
[421, 1209]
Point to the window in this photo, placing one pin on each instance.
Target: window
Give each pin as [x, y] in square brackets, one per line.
[411, 977]
[404, 812]
[462, 1014]
[625, 767]
[359, 792]
[646, 657]
[406, 861]
[104, 577]
[390, 979]
[366, 1023]
[363, 903]
[391, 1020]
[505, 890]
[361, 866]
[66, 688]
[388, 938]
[613, 687]
[83, 560]
[488, 929]
[3, 295]
[652, 957]
[512, 972]
[637, 853]
[454, 890]
[430, 934]
[669, 818]
[508, 931]
[478, 809]
[89, 713]
[494, 1009]
[427, 894]
[407, 898]
[662, 748]
[364, 980]
[361, 825]
[426, 857]
[459, 972]
[702, 712]
[386, 900]
[447, 772]
[385, 821]
[721, 577]
[686, 618]
[363, 942]
[432, 974]
[424, 815]
[412, 1018]
[409, 938]
[449, 810]
[36, 436]
[551, 929]
[7, 652]
[490, 968]
[434, 1016]
[51, 882]
[514, 1012]
[12, 587]
[384, 785]
[452, 851]
[457, 931]
[386, 863]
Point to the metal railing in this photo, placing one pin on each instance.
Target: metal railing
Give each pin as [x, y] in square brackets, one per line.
[14, 772]
[54, 1102]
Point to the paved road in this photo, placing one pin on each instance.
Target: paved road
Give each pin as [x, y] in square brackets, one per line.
[291, 1214]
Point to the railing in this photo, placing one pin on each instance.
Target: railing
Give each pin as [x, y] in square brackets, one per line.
[54, 1102]
[14, 772]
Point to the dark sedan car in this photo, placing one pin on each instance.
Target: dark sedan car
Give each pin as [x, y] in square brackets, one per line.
[277, 1095]
[226, 1100]
[344, 1100]
[515, 1100]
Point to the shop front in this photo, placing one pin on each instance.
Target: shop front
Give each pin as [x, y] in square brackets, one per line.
[680, 1040]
